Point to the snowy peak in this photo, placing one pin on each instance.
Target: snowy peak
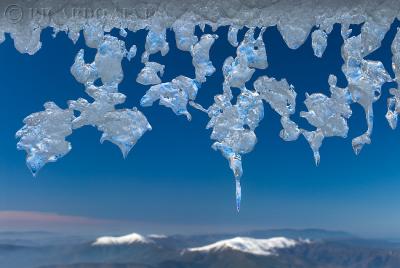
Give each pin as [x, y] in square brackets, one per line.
[129, 239]
[157, 236]
[249, 245]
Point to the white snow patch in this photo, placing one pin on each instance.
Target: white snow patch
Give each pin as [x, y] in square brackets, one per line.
[157, 236]
[254, 246]
[121, 240]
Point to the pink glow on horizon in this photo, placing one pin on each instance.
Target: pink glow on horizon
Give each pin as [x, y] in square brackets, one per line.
[35, 218]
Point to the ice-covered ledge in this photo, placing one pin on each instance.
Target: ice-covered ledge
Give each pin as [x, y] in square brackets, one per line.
[25, 19]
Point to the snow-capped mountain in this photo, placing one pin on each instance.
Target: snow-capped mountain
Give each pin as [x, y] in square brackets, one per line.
[254, 249]
[249, 245]
[157, 236]
[121, 240]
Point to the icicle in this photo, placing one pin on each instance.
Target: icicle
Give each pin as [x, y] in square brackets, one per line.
[238, 193]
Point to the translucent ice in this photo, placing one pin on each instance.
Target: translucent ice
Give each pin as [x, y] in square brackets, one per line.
[232, 35]
[232, 119]
[393, 103]
[175, 95]
[250, 54]
[237, 72]
[279, 94]
[319, 42]
[365, 80]
[155, 42]
[43, 136]
[123, 32]
[373, 31]
[123, 128]
[253, 50]
[93, 34]
[84, 73]
[149, 74]
[132, 52]
[93, 113]
[233, 125]
[294, 31]
[328, 115]
[233, 129]
[184, 35]
[201, 58]
[282, 98]
[108, 60]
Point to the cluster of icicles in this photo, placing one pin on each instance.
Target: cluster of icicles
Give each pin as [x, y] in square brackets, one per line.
[232, 119]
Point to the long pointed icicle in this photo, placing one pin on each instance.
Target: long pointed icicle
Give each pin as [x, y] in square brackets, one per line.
[238, 193]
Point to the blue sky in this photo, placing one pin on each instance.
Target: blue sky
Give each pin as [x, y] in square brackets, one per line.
[172, 179]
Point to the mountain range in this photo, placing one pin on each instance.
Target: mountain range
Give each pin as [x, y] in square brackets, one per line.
[285, 248]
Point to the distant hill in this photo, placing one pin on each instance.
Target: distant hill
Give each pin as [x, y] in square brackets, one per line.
[97, 265]
[286, 248]
[314, 234]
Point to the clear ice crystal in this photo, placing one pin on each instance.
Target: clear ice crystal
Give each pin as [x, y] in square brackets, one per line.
[149, 74]
[132, 52]
[184, 35]
[393, 107]
[319, 42]
[328, 114]
[84, 73]
[155, 42]
[233, 129]
[282, 98]
[232, 35]
[106, 66]
[253, 49]
[93, 113]
[373, 31]
[93, 34]
[365, 79]
[233, 125]
[393, 103]
[174, 95]
[293, 31]
[123, 128]
[123, 32]
[250, 54]
[43, 136]
[108, 60]
[201, 57]
[236, 72]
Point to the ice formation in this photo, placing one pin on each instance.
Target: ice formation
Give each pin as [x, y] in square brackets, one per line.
[149, 74]
[233, 120]
[328, 115]
[132, 52]
[155, 42]
[175, 95]
[201, 59]
[319, 42]
[43, 135]
[365, 80]
[394, 102]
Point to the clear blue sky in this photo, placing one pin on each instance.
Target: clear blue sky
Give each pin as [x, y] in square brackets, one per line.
[172, 176]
